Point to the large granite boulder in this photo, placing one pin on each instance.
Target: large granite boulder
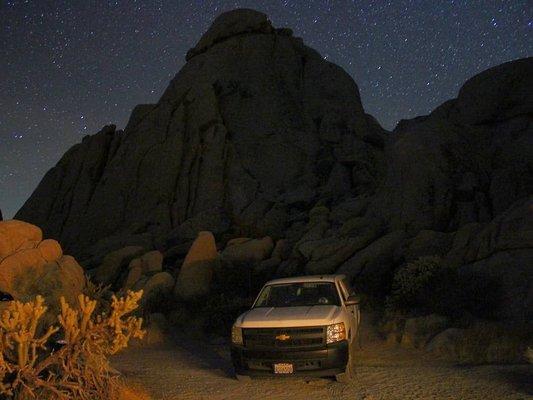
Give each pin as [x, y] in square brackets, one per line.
[247, 250]
[18, 235]
[30, 266]
[115, 263]
[196, 273]
[157, 286]
[254, 125]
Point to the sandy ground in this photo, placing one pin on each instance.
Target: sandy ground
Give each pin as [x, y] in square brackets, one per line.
[186, 369]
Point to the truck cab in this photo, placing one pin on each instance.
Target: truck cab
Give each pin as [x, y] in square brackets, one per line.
[298, 326]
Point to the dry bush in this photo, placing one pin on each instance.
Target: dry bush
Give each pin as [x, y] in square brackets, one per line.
[31, 369]
[99, 292]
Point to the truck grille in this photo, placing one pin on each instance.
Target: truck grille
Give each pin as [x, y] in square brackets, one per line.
[284, 337]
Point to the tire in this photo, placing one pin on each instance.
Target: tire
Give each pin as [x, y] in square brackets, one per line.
[243, 378]
[349, 373]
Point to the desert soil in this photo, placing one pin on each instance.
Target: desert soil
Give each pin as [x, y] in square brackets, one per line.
[188, 369]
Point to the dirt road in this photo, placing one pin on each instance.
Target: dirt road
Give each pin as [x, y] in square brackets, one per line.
[185, 369]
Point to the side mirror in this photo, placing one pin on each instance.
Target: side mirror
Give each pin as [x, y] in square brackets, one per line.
[352, 300]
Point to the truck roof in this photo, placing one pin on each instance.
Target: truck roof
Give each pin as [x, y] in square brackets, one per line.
[307, 278]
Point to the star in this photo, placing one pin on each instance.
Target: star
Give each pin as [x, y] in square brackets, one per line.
[68, 68]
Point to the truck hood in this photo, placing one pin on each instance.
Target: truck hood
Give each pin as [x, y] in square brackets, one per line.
[284, 317]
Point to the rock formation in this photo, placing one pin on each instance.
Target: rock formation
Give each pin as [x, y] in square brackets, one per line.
[469, 160]
[30, 266]
[258, 136]
[253, 129]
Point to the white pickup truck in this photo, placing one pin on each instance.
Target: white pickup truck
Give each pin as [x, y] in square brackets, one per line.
[298, 326]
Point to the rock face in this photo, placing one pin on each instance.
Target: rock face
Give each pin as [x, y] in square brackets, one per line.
[469, 160]
[501, 252]
[258, 136]
[30, 266]
[251, 100]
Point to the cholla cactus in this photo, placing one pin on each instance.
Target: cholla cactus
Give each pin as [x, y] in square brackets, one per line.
[80, 368]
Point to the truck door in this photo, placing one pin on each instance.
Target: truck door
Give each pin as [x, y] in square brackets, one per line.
[347, 291]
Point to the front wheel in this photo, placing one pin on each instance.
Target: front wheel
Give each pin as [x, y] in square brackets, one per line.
[349, 373]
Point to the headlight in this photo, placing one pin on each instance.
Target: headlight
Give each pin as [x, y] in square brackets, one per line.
[236, 335]
[335, 333]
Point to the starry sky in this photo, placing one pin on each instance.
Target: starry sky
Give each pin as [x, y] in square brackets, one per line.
[69, 67]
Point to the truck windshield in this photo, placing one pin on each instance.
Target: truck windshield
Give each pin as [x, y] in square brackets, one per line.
[298, 295]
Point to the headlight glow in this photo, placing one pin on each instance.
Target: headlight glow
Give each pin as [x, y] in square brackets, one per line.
[336, 333]
[236, 335]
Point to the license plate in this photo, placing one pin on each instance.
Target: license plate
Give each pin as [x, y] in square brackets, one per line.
[283, 368]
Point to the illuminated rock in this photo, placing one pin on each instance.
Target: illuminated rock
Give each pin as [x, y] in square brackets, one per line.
[34, 267]
[196, 272]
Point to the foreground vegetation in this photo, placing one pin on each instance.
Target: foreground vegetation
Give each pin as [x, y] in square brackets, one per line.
[69, 359]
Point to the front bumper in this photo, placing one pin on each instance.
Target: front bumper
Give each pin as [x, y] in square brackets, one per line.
[325, 361]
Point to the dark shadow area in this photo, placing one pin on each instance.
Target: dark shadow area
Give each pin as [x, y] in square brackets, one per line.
[205, 355]
[520, 378]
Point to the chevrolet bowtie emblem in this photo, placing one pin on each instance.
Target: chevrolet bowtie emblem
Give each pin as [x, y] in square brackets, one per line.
[283, 337]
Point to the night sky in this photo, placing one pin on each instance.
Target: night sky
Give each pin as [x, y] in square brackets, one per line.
[69, 67]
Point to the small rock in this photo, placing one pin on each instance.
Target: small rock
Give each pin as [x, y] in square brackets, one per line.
[418, 331]
[445, 343]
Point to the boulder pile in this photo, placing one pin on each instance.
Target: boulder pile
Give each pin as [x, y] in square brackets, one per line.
[30, 266]
[264, 144]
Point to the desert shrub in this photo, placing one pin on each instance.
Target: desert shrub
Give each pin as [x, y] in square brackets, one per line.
[428, 285]
[99, 292]
[69, 359]
[416, 284]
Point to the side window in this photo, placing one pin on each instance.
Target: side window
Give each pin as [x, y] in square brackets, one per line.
[343, 290]
[347, 289]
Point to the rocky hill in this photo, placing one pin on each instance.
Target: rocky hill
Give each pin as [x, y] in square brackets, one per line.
[253, 127]
[259, 136]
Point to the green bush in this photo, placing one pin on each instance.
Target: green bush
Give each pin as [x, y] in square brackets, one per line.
[414, 285]
[428, 285]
